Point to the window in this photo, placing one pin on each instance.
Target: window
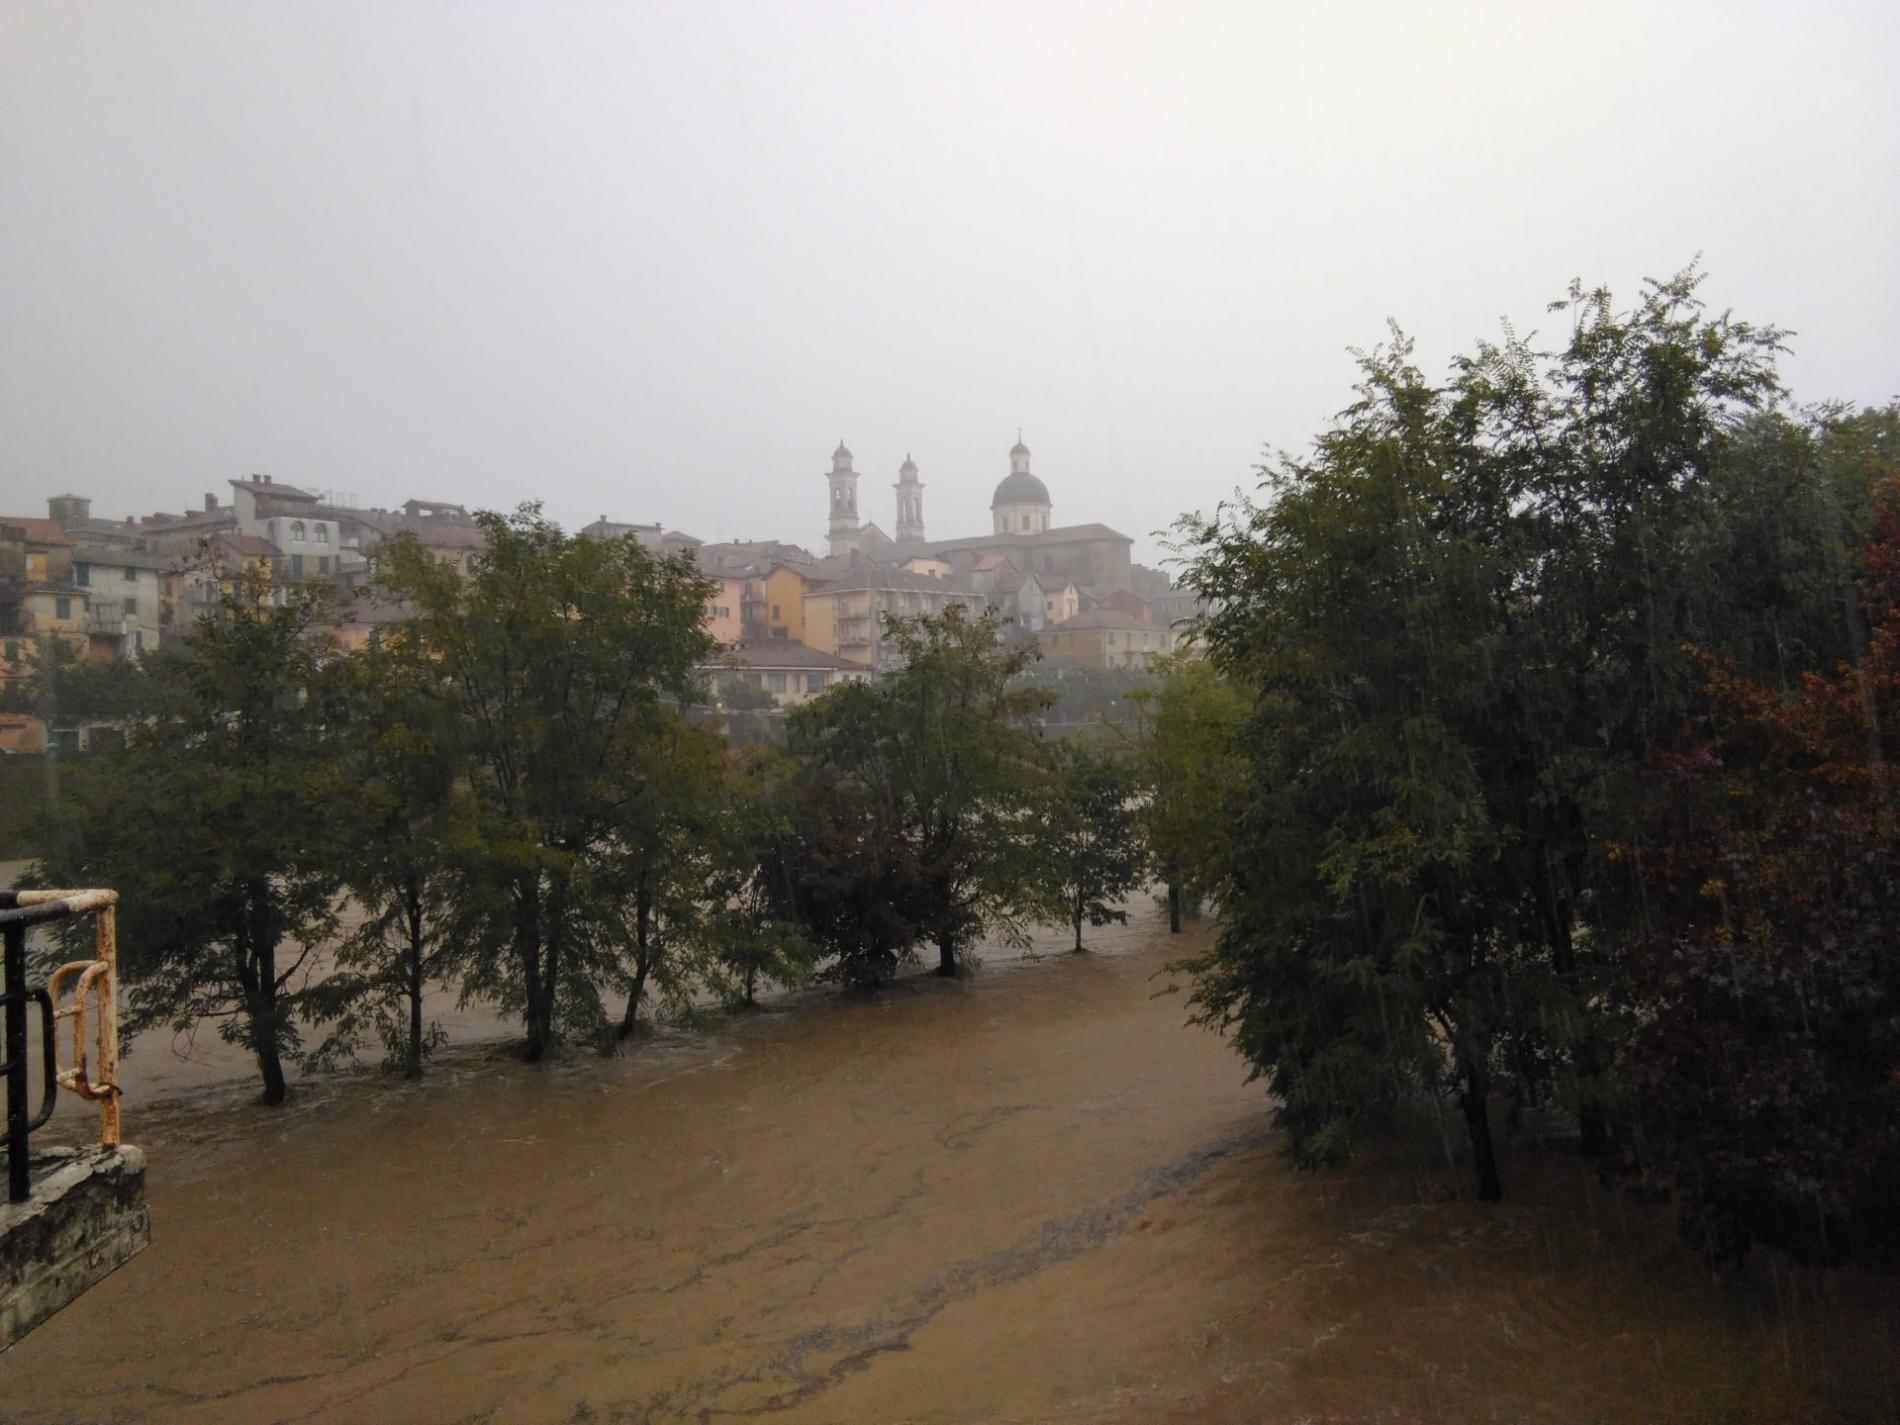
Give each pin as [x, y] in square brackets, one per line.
[323, 534]
[82, 575]
[323, 564]
[62, 608]
[775, 682]
[13, 652]
[131, 576]
[131, 607]
[776, 613]
[138, 639]
[814, 682]
[296, 531]
[296, 560]
[1025, 521]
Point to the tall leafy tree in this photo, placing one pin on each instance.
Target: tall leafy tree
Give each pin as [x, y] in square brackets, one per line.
[1090, 849]
[929, 771]
[1185, 750]
[563, 657]
[663, 858]
[409, 839]
[750, 907]
[1764, 989]
[218, 824]
[1459, 623]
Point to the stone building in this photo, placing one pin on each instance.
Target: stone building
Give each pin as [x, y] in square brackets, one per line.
[1094, 557]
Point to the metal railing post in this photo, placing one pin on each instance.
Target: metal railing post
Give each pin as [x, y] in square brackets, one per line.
[19, 1188]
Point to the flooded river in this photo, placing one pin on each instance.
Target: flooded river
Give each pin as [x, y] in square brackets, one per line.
[1027, 1195]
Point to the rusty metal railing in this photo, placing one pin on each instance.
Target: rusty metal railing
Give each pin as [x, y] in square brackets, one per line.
[96, 979]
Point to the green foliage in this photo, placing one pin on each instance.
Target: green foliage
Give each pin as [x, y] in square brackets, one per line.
[1764, 986]
[750, 919]
[1459, 623]
[410, 835]
[218, 824]
[1185, 749]
[912, 807]
[563, 658]
[66, 688]
[1089, 848]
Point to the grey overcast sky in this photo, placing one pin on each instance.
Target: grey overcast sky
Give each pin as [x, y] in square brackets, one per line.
[654, 260]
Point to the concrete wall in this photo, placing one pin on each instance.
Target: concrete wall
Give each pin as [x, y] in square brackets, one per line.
[86, 1218]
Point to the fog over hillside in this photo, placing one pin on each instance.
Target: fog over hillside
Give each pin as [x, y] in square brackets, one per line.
[654, 261]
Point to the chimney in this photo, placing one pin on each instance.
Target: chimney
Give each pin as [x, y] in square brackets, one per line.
[211, 503]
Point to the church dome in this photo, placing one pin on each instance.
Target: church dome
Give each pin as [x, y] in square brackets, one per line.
[1019, 487]
[909, 467]
[841, 453]
[1019, 448]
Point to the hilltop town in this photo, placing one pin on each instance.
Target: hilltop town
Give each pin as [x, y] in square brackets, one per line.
[788, 621]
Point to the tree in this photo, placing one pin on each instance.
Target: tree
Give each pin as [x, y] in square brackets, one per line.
[560, 654]
[1187, 755]
[1458, 624]
[851, 855]
[661, 858]
[1090, 847]
[403, 855]
[751, 916]
[217, 823]
[1764, 1066]
[926, 775]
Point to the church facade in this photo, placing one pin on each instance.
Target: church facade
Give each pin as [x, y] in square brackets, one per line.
[1094, 557]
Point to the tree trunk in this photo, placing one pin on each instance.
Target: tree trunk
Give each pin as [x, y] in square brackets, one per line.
[947, 958]
[258, 975]
[1174, 909]
[271, 1066]
[528, 951]
[1475, 1102]
[1592, 1123]
[1078, 933]
[642, 957]
[413, 1058]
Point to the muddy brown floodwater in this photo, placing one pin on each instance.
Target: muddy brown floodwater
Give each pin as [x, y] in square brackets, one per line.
[1028, 1195]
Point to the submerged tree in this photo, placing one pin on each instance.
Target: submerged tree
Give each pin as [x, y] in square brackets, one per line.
[1089, 849]
[1186, 752]
[218, 823]
[751, 898]
[661, 859]
[404, 856]
[914, 799]
[560, 654]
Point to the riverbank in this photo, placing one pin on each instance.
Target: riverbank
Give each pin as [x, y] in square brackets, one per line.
[1027, 1195]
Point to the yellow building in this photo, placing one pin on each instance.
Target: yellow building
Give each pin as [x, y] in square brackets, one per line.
[1104, 638]
[785, 590]
[725, 610]
[846, 616]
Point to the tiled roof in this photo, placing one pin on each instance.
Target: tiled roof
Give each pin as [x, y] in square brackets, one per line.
[1061, 534]
[260, 487]
[869, 574]
[1103, 617]
[112, 555]
[37, 531]
[783, 653]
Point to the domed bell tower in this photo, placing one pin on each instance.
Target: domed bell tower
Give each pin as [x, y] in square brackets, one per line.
[1021, 502]
[910, 504]
[844, 503]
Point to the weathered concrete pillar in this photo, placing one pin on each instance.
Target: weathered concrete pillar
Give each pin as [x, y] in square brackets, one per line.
[87, 1216]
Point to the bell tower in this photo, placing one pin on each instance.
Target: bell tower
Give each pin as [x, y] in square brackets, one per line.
[910, 503]
[844, 503]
